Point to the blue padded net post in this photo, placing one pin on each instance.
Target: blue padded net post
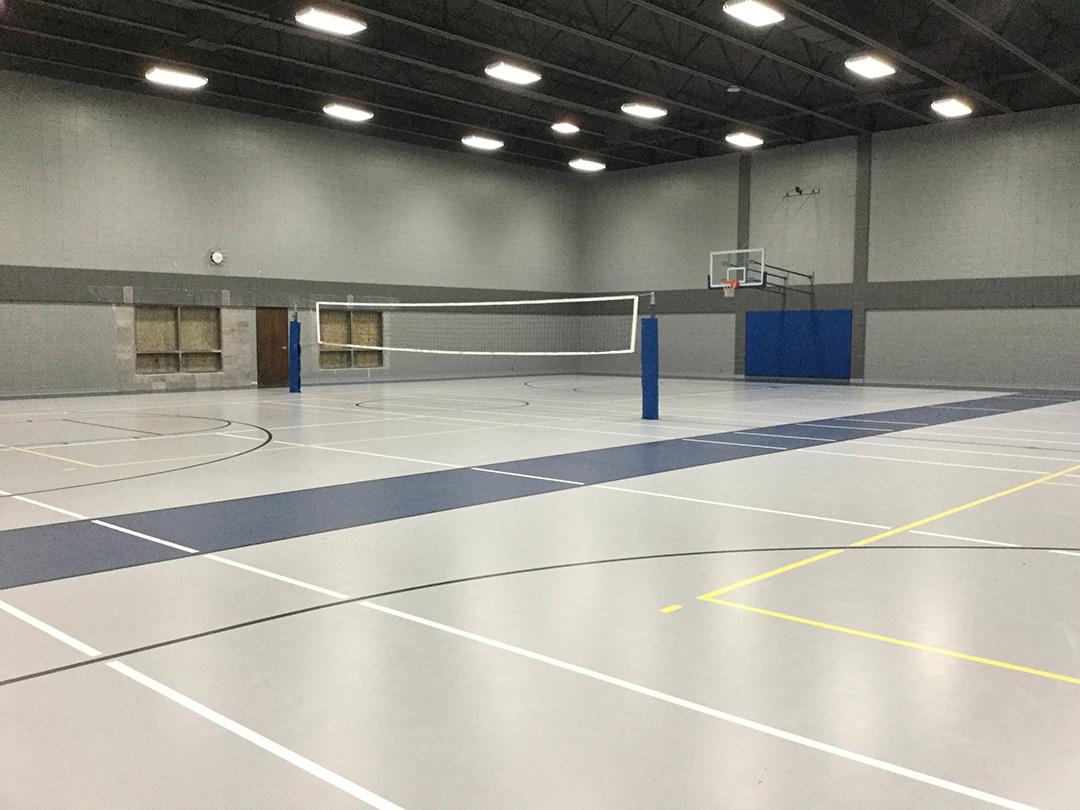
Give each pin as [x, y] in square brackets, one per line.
[650, 365]
[294, 355]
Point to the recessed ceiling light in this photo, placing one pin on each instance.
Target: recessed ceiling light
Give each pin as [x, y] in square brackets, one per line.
[511, 73]
[327, 21]
[869, 66]
[175, 78]
[752, 12]
[643, 110]
[480, 142]
[347, 113]
[734, 89]
[565, 127]
[586, 165]
[951, 108]
[743, 139]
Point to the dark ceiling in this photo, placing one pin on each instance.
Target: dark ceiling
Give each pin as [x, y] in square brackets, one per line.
[419, 66]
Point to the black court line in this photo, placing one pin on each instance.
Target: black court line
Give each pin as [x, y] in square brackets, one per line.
[250, 521]
[425, 586]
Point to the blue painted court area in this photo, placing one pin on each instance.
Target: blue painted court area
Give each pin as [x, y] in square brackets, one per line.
[43, 553]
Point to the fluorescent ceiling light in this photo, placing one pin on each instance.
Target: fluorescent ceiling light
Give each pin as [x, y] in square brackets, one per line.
[643, 110]
[325, 21]
[752, 12]
[869, 66]
[480, 142]
[951, 108]
[511, 73]
[743, 139]
[347, 113]
[586, 165]
[565, 127]
[175, 78]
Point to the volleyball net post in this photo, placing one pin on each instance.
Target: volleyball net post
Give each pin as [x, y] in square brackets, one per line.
[650, 363]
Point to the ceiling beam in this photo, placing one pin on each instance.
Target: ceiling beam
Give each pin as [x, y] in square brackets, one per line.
[767, 54]
[278, 84]
[896, 56]
[598, 40]
[623, 88]
[360, 77]
[1003, 43]
[483, 81]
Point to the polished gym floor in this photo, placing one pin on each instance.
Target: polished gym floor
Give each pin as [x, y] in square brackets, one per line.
[515, 593]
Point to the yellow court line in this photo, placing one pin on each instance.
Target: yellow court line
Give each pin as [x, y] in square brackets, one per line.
[901, 642]
[708, 597]
[56, 458]
[671, 608]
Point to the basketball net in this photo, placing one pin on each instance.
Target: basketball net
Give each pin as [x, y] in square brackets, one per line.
[729, 287]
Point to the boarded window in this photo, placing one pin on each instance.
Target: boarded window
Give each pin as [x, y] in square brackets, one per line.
[169, 340]
[343, 329]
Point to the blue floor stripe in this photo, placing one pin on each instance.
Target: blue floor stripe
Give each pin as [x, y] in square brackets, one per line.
[41, 553]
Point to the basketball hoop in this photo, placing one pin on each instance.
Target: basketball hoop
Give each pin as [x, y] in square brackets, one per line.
[729, 286]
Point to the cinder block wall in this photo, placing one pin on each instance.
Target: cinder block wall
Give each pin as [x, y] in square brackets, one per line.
[114, 199]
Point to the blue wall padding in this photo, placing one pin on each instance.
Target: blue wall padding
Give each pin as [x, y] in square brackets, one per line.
[799, 343]
[294, 356]
[650, 369]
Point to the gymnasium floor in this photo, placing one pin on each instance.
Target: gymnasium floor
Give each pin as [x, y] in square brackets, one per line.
[472, 603]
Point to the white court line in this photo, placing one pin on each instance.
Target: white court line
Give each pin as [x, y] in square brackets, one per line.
[279, 577]
[265, 743]
[782, 436]
[944, 435]
[880, 421]
[59, 635]
[142, 536]
[997, 543]
[75, 515]
[366, 453]
[966, 539]
[873, 443]
[752, 725]
[523, 475]
[1062, 484]
[740, 506]
[225, 455]
[736, 444]
[916, 461]
[245, 438]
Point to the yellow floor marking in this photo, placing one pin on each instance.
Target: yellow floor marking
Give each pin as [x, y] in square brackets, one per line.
[55, 458]
[709, 596]
[901, 642]
[671, 609]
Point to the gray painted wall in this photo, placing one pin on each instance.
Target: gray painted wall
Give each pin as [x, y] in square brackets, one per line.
[991, 198]
[653, 228]
[813, 233]
[1006, 347]
[59, 348]
[105, 180]
[115, 198]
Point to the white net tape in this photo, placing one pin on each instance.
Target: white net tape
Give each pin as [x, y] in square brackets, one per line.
[548, 327]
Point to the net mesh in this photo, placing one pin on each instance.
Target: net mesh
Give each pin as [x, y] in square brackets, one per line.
[567, 326]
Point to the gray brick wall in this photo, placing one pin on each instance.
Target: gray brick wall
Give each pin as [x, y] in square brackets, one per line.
[104, 180]
[812, 233]
[991, 198]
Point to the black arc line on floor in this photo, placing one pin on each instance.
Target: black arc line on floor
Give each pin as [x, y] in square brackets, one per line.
[352, 600]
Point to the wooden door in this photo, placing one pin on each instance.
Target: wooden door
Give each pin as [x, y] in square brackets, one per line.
[272, 342]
